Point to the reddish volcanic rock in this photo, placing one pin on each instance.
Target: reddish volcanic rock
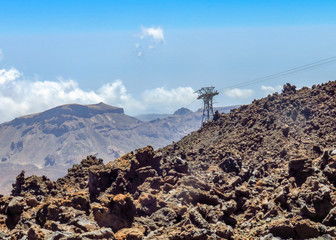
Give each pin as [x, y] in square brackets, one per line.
[264, 171]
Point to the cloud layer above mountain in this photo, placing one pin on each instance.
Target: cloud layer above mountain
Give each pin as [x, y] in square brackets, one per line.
[239, 93]
[20, 96]
[271, 89]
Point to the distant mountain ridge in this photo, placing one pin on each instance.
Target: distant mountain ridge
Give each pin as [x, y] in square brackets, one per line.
[182, 111]
[73, 110]
[51, 141]
[63, 135]
[151, 116]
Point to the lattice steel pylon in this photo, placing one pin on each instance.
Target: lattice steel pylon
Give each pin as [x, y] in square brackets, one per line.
[207, 94]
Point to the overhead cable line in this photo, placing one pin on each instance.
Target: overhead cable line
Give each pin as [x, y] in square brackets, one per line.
[284, 73]
[280, 74]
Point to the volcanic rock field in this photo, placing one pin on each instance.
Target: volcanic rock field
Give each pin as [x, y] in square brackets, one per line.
[266, 170]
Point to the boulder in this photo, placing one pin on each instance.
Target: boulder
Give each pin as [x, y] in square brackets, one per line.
[135, 233]
[307, 229]
[103, 233]
[35, 233]
[13, 212]
[283, 229]
[231, 165]
[118, 213]
[147, 204]
[330, 219]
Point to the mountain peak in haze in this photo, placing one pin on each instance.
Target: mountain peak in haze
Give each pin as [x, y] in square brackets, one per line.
[69, 110]
[182, 111]
[65, 134]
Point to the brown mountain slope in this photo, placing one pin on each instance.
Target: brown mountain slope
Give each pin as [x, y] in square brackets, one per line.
[265, 171]
[63, 135]
[52, 141]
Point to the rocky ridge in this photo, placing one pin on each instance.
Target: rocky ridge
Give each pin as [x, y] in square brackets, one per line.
[264, 171]
[50, 142]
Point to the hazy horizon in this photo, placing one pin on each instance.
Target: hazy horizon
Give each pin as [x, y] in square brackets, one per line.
[151, 57]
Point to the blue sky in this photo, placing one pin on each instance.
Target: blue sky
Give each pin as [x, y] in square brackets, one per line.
[150, 56]
[108, 16]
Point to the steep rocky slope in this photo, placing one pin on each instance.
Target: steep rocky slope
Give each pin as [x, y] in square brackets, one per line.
[264, 171]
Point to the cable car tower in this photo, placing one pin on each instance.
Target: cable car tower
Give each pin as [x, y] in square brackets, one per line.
[207, 94]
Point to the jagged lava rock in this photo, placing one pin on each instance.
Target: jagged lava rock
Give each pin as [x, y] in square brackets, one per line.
[263, 171]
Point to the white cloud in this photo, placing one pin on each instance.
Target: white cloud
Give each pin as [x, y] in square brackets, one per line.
[139, 54]
[139, 50]
[270, 89]
[239, 93]
[8, 76]
[154, 33]
[148, 40]
[115, 93]
[168, 100]
[20, 97]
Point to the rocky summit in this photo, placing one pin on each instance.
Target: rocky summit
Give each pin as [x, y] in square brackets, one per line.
[263, 171]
